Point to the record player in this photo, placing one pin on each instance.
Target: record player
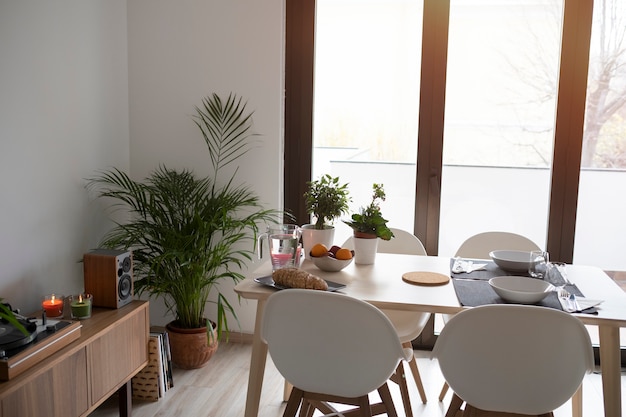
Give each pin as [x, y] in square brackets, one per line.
[19, 351]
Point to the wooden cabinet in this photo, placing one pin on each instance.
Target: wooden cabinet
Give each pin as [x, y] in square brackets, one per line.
[112, 348]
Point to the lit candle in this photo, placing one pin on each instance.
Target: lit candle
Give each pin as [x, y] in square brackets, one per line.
[81, 306]
[53, 305]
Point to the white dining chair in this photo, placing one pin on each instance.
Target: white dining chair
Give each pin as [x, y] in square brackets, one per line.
[408, 325]
[478, 247]
[333, 349]
[506, 358]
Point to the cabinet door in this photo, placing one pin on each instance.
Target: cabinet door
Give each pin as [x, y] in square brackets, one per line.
[60, 391]
[118, 354]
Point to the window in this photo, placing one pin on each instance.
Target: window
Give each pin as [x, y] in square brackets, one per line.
[501, 95]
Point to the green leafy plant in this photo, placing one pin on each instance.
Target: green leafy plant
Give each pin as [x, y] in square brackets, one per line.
[369, 220]
[7, 314]
[326, 200]
[188, 234]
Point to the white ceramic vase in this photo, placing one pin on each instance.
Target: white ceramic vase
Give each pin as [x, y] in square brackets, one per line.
[365, 250]
[312, 236]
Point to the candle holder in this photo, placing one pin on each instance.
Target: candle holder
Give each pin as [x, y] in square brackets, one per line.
[53, 305]
[80, 306]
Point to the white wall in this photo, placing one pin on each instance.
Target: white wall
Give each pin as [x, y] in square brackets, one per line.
[63, 113]
[181, 51]
[86, 85]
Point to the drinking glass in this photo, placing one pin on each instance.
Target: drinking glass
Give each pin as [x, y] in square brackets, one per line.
[538, 266]
[557, 274]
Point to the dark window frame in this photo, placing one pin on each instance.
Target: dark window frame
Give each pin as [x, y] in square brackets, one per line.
[299, 61]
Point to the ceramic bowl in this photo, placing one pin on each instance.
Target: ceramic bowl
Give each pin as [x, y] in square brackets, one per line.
[511, 260]
[330, 264]
[521, 290]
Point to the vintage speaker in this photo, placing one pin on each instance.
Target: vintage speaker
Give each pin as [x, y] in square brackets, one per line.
[109, 277]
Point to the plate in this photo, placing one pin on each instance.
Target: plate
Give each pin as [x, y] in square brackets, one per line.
[269, 282]
[511, 260]
[522, 290]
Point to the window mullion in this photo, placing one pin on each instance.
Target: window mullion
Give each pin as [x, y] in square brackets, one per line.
[431, 122]
[569, 127]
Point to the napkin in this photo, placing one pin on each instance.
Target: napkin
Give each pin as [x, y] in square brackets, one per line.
[466, 266]
[583, 303]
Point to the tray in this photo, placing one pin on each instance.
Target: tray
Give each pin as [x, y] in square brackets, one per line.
[269, 282]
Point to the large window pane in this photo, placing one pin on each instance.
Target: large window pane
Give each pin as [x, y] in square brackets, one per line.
[600, 228]
[366, 89]
[499, 121]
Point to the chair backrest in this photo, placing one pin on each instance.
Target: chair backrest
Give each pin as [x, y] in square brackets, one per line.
[514, 358]
[403, 242]
[479, 246]
[330, 343]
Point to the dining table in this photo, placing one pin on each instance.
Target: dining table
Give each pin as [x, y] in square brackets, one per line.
[382, 285]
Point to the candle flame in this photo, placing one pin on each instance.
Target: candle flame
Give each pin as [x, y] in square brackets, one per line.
[52, 298]
[80, 298]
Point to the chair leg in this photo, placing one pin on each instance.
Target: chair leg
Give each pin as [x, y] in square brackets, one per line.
[385, 397]
[306, 408]
[295, 398]
[443, 392]
[400, 378]
[416, 374]
[455, 406]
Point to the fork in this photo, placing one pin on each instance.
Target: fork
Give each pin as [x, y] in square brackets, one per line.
[570, 298]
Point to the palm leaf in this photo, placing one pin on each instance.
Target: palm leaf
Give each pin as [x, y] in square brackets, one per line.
[189, 234]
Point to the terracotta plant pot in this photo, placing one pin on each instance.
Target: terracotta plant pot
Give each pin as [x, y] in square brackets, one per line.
[191, 348]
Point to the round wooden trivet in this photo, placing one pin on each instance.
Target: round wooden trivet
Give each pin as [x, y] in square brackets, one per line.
[425, 278]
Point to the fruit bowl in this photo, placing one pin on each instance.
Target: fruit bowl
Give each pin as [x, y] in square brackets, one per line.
[330, 264]
[334, 259]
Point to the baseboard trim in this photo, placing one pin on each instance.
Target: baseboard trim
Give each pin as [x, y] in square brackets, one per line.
[238, 337]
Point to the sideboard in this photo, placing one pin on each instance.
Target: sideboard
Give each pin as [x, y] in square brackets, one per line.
[112, 348]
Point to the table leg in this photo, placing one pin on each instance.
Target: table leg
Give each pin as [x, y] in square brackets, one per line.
[577, 402]
[257, 366]
[287, 390]
[610, 364]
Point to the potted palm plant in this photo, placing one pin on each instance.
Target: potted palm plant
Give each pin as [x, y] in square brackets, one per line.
[325, 199]
[368, 225]
[190, 234]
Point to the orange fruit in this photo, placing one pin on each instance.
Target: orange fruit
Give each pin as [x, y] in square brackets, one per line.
[344, 254]
[319, 249]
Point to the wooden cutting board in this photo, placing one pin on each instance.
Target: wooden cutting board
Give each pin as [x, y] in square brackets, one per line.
[425, 278]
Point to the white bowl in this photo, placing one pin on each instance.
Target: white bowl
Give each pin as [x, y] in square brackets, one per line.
[330, 264]
[522, 290]
[511, 260]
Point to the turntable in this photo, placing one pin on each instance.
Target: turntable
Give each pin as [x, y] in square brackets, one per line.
[19, 352]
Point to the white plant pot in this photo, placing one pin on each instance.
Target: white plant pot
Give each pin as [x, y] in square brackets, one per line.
[312, 236]
[365, 250]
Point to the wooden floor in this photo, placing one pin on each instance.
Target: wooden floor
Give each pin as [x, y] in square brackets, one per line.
[219, 390]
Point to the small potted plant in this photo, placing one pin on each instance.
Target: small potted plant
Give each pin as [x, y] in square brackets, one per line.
[368, 225]
[326, 199]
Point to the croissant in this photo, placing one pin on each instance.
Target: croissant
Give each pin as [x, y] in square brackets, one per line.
[297, 278]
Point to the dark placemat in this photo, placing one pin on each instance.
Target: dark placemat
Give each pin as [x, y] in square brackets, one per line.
[473, 289]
